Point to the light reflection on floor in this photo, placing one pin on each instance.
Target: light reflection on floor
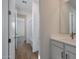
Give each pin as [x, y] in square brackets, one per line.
[38, 56]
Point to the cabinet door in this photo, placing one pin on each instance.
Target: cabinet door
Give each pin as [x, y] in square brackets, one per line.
[56, 52]
[70, 55]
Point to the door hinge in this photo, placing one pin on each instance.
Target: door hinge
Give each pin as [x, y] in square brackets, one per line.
[9, 12]
[9, 40]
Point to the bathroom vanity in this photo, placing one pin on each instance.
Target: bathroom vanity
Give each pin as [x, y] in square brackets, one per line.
[62, 47]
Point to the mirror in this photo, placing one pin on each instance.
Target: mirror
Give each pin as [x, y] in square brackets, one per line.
[68, 16]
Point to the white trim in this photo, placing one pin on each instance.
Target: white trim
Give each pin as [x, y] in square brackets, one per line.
[5, 29]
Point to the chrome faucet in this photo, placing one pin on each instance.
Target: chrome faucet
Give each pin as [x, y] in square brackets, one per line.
[72, 35]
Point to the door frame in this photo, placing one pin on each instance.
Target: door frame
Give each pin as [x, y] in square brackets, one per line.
[4, 29]
[11, 28]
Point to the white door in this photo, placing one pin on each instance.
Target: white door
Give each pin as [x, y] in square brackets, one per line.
[12, 14]
[56, 52]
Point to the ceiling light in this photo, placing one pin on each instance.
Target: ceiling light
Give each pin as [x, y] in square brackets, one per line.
[24, 1]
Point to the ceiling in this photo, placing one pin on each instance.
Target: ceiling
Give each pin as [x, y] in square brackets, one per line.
[24, 7]
[27, 7]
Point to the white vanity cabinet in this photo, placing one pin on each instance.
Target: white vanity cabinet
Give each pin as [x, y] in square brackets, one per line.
[57, 51]
[61, 50]
[70, 55]
[70, 52]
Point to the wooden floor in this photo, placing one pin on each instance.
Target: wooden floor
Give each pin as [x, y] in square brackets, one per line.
[25, 52]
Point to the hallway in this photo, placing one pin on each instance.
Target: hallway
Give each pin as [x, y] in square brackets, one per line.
[25, 52]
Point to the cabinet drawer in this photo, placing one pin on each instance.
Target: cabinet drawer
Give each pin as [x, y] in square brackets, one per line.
[70, 49]
[58, 44]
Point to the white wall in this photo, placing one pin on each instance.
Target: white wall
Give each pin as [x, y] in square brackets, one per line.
[35, 25]
[4, 26]
[20, 31]
[29, 30]
[49, 24]
[20, 26]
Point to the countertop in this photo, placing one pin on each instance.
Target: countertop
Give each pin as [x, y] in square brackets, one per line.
[64, 38]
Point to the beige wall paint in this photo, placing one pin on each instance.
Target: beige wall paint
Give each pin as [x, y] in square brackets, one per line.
[49, 24]
[64, 17]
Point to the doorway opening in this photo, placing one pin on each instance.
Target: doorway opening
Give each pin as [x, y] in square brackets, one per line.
[24, 29]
